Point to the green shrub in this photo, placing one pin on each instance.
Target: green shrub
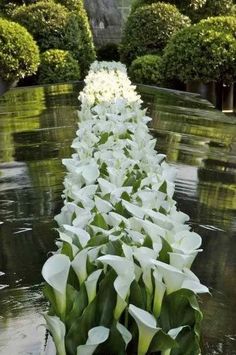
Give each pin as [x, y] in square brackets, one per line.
[58, 66]
[19, 54]
[108, 52]
[146, 69]
[195, 9]
[55, 27]
[149, 28]
[200, 53]
[221, 23]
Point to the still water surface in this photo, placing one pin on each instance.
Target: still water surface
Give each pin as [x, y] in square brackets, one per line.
[37, 126]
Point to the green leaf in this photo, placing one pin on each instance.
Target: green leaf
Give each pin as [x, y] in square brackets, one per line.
[115, 344]
[163, 187]
[163, 255]
[67, 250]
[77, 334]
[161, 342]
[106, 300]
[99, 221]
[49, 295]
[104, 138]
[137, 295]
[76, 303]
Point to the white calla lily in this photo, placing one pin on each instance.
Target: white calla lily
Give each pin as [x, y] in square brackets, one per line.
[125, 270]
[91, 284]
[146, 323]
[173, 277]
[181, 261]
[103, 206]
[58, 330]
[125, 333]
[160, 289]
[145, 258]
[79, 265]
[81, 234]
[96, 336]
[55, 272]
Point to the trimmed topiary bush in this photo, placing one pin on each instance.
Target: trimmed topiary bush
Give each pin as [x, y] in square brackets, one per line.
[56, 27]
[149, 28]
[19, 54]
[195, 9]
[200, 53]
[146, 69]
[221, 23]
[58, 66]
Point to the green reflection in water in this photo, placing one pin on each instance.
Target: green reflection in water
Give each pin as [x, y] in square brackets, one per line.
[37, 126]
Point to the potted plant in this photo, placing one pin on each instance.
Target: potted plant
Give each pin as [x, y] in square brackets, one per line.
[19, 54]
[203, 56]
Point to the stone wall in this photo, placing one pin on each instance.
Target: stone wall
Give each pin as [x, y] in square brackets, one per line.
[107, 18]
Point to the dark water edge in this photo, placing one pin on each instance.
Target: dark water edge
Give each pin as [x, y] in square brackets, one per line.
[37, 126]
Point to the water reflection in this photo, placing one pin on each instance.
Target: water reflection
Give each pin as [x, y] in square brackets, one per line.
[37, 126]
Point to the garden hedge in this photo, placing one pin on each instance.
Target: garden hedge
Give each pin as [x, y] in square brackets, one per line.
[146, 70]
[55, 27]
[195, 9]
[58, 66]
[149, 28]
[200, 53]
[19, 54]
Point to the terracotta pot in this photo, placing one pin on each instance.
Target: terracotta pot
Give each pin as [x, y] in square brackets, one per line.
[6, 85]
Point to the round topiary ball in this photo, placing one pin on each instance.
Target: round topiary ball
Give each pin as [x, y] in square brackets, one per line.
[220, 23]
[195, 9]
[200, 53]
[55, 27]
[58, 66]
[19, 54]
[146, 70]
[149, 28]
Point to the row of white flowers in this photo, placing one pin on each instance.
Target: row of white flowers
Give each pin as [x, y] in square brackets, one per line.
[119, 214]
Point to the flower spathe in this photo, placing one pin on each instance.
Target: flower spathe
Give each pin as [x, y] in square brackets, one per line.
[119, 215]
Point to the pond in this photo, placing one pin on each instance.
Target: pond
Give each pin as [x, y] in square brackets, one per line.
[37, 126]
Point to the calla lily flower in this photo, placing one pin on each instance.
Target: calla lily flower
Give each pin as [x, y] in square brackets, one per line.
[55, 272]
[126, 274]
[102, 205]
[91, 284]
[79, 265]
[145, 257]
[58, 330]
[96, 336]
[135, 210]
[125, 333]
[81, 234]
[173, 277]
[66, 238]
[186, 242]
[181, 261]
[146, 323]
[160, 289]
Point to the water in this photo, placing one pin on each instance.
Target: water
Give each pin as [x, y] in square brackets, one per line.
[37, 126]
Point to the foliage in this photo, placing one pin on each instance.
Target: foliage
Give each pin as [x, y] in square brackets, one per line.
[149, 28]
[120, 282]
[55, 27]
[58, 66]
[19, 54]
[221, 23]
[146, 69]
[108, 52]
[195, 9]
[201, 53]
